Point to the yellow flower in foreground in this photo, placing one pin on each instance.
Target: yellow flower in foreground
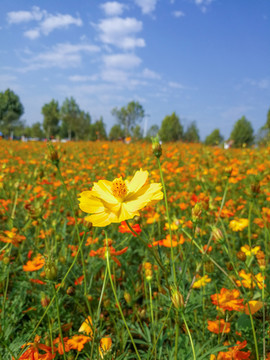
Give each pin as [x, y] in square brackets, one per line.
[238, 224]
[253, 306]
[105, 346]
[119, 200]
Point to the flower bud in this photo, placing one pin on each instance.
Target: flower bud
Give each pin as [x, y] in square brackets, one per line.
[70, 291]
[217, 234]
[156, 147]
[53, 156]
[50, 271]
[127, 297]
[196, 211]
[44, 300]
[177, 298]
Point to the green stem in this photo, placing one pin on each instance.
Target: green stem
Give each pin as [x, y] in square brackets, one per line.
[59, 321]
[116, 299]
[168, 218]
[190, 337]
[152, 314]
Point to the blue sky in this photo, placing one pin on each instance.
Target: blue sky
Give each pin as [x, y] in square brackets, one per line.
[207, 60]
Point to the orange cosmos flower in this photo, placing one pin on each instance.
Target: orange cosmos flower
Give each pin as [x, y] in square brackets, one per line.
[60, 348]
[33, 351]
[235, 352]
[219, 326]
[105, 346]
[228, 300]
[101, 252]
[119, 200]
[77, 342]
[123, 228]
[12, 237]
[35, 264]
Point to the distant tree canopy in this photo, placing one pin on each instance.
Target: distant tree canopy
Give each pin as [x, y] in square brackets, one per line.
[215, 138]
[128, 116]
[116, 132]
[153, 131]
[71, 116]
[97, 130]
[11, 110]
[192, 133]
[51, 119]
[242, 133]
[171, 128]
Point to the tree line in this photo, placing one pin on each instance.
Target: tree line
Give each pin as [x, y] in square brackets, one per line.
[70, 122]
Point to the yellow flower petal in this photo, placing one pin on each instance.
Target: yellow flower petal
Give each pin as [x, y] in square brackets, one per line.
[138, 180]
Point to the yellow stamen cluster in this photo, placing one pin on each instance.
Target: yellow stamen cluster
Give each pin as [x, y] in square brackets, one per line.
[119, 188]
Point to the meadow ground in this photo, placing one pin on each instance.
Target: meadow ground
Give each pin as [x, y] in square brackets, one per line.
[179, 271]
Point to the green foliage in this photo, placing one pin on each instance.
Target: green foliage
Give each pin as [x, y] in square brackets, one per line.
[242, 133]
[51, 119]
[192, 133]
[129, 115]
[70, 115]
[215, 138]
[137, 133]
[116, 132]
[171, 129]
[152, 132]
[98, 131]
[11, 110]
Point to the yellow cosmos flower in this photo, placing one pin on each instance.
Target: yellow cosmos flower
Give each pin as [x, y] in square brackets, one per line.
[253, 306]
[250, 251]
[238, 224]
[119, 200]
[201, 282]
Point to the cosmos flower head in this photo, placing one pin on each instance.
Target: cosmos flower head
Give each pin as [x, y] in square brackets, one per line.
[119, 200]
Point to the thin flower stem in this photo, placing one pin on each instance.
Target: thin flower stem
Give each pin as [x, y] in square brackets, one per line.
[152, 314]
[176, 336]
[168, 218]
[190, 337]
[59, 321]
[263, 294]
[116, 298]
[98, 311]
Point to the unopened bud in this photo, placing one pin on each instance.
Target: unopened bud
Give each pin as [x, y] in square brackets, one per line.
[44, 300]
[127, 297]
[256, 188]
[156, 147]
[177, 299]
[217, 234]
[70, 291]
[50, 271]
[196, 211]
[54, 157]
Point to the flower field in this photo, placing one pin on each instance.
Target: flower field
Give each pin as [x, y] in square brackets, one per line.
[110, 252]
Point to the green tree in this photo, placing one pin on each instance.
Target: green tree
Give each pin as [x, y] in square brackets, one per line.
[98, 131]
[11, 110]
[70, 115]
[137, 133]
[82, 126]
[171, 128]
[242, 133]
[51, 119]
[129, 116]
[267, 125]
[192, 133]
[36, 131]
[116, 132]
[214, 138]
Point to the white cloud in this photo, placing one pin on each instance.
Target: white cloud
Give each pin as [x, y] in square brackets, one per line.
[149, 74]
[16, 17]
[147, 6]
[32, 34]
[120, 32]
[175, 85]
[46, 22]
[113, 8]
[53, 22]
[203, 4]
[178, 14]
[123, 61]
[82, 78]
[114, 75]
[63, 55]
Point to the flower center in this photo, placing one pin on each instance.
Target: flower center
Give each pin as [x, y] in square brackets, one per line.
[119, 188]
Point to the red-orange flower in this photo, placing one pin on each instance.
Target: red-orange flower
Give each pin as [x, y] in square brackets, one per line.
[77, 342]
[123, 228]
[228, 300]
[235, 352]
[219, 326]
[35, 264]
[32, 353]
